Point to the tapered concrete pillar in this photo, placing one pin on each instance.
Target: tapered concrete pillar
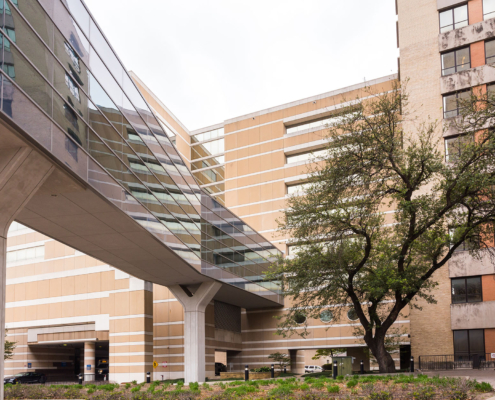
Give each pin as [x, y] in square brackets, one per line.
[194, 327]
[89, 361]
[22, 172]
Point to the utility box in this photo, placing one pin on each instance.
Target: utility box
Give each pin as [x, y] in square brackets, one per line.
[344, 365]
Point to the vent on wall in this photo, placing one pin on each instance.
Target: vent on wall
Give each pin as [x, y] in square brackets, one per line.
[227, 317]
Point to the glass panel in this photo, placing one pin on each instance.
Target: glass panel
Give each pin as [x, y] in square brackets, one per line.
[101, 73]
[134, 94]
[460, 16]
[36, 16]
[446, 21]
[463, 61]
[458, 291]
[106, 53]
[209, 176]
[19, 69]
[476, 342]
[306, 156]
[450, 106]
[80, 14]
[448, 64]
[490, 51]
[473, 289]
[461, 344]
[489, 8]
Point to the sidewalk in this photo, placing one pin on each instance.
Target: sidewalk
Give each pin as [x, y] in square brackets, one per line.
[480, 375]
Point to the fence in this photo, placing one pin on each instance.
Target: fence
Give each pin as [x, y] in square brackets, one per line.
[447, 362]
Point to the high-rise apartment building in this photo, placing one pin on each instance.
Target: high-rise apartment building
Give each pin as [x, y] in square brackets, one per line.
[211, 195]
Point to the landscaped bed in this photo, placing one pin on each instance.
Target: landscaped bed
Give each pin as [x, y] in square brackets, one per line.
[389, 387]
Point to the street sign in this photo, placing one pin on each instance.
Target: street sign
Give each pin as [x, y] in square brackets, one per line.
[29, 365]
[88, 367]
[64, 364]
[493, 355]
[164, 364]
[155, 364]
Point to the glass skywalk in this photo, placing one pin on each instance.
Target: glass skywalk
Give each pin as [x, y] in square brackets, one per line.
[63, 85]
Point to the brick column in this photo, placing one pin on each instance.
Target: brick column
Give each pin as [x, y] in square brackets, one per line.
[131, 332]
[89, 361]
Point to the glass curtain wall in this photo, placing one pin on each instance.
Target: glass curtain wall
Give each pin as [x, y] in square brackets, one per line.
[58, 67]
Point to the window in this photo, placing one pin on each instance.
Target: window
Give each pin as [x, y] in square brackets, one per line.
[300, 318]
[305, 156]
[352, 315]
[200, 137]
[454, 18]
[469, 342]
[25, 254]
[466, 290]
[298, 189]
[490, 52]
[451, 103]
[488, 9]
[456, 61]
[208, 149]
[326, 316]
[470, 243]
[455, 146]
[318, 124]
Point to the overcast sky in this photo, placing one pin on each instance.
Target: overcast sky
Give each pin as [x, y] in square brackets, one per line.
[213, 60]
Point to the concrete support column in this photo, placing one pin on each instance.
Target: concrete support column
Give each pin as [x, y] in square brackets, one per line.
[194, 327]
[89, 361]
[22, 172]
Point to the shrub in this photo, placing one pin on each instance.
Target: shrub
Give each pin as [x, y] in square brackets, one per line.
[382, 395]
[127, 385]
[108, 387]
[279, 392]
[483, 387]
[352, 384]
[91, 391]
[318, 385]
[136, 389]
[194, 386]
[333, 389]
[134, 382]
[425, 393]
[304, 387]
[340, 378]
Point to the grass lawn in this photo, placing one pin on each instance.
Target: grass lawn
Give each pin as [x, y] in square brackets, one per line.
[371, 387]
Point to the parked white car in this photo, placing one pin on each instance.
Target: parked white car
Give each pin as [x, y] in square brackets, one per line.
[308, 369]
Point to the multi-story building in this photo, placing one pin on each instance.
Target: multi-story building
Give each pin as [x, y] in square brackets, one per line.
[67, 310]
[446, 50]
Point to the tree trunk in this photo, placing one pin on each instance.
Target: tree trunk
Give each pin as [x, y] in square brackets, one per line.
[385, 361]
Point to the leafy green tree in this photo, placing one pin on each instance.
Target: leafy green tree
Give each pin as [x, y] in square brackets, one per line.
[281, 359]
[9, 348]
[384, 211]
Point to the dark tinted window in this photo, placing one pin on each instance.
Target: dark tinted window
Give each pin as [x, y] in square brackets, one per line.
[466, 290]
[468, 343]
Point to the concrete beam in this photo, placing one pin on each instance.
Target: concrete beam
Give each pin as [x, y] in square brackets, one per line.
[473, 315]
[443, 4]
[467, 35]
[467, 79]
[194, 303]
[22, 172]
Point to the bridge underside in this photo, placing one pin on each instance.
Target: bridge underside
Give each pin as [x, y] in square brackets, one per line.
[69, 210]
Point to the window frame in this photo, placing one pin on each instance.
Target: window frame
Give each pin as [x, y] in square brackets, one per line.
[448, 155]
[455, 58]
[465, 278]
[469, 341]
[457, 103]
[451, 9]
[486, 58]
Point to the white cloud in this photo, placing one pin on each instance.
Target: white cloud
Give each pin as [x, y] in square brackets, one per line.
[213, 60]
